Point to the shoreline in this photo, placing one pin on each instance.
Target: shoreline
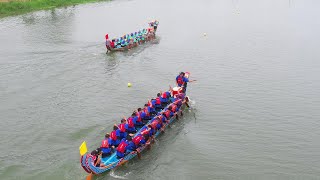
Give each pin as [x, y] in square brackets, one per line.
[16, 7]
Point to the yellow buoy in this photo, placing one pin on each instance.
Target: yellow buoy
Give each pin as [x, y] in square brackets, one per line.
[129, 84]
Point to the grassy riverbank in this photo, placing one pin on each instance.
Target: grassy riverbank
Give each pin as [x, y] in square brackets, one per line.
[20, 7]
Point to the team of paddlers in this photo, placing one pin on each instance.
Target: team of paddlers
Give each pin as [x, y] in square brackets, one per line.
[128, 41]
[146, 121]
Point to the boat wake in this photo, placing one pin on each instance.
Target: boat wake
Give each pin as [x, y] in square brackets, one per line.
[112, 174]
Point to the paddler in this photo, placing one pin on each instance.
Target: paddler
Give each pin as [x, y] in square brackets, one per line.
[139, 122]
[106, 146]
[123, 146]
[115, 138]
[155, 25]
[138, 141]
[145, 115]
[122, 131]
[156, 123]
[108, 42]
[157, 103]
[164, 99]
[131, 121]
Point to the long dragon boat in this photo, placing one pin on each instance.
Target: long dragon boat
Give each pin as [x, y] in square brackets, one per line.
[131, 40]
[111, 162]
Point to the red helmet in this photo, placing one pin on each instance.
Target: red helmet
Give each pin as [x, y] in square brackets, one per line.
[107, 36]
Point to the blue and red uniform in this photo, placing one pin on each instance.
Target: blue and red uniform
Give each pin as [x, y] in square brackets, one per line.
[130, 125]
[163, 118]
[138, 141]
[179, 80]
[147, 131]
[105, 148]
[174, 108]
[164, 97]
[151, 110]
[122, 131]
[156, 124]
[138, 119]
[122, 148]
[157, 104]
[168, 114]
[115, 140]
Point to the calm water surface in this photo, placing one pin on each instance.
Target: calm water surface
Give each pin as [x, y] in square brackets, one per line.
[255, 107]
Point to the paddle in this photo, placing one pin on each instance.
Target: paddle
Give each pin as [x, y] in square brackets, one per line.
[89, 177]
[83, 150]
[187, 104]
[148, 145]
[139, 154]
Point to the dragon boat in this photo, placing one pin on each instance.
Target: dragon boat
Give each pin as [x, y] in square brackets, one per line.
[111, 162]
[131, 40]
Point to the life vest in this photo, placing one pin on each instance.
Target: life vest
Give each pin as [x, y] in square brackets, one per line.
[130, 122]
[164, 95]
[122, 147]
[174, 108]
[104, 144]
[154, 124]
[146, 111]
[139, 117]
[113, 135]
[158, 101]
[136, 140]
[122, 127]
[167, 113]
[180, 80]
[144, 132]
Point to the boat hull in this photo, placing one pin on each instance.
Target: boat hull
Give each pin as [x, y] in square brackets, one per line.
[113, 162]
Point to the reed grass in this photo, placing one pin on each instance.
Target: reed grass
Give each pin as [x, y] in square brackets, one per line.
[20, 7]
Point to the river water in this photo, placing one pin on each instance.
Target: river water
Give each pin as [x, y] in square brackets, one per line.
[255, 107]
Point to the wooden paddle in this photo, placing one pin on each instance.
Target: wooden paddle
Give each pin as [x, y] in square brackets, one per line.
[139, 154]
[89, 177]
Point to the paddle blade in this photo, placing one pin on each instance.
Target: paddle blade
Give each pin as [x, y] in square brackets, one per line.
[139, 155]
[83, 148]
[89, 177]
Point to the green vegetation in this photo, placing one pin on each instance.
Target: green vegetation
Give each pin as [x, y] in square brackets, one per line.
[21, 7]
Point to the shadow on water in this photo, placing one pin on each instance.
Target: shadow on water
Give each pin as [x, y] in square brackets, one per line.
[47, 27]
[51, 16]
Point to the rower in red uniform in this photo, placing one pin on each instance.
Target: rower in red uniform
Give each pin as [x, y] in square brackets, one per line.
[115, 138]
[108, 42]
[139, 122]
[122, 148]
[106, 146]
[130, 124]
[157, 122]
[168, 113]
[138, 141]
